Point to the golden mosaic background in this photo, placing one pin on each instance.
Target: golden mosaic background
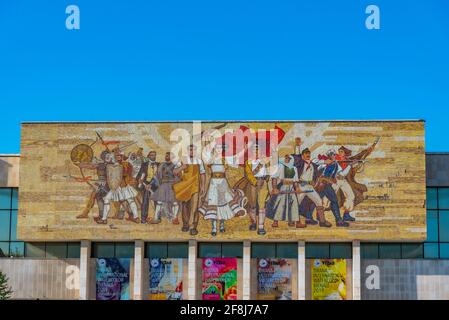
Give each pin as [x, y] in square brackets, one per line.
[394, 208]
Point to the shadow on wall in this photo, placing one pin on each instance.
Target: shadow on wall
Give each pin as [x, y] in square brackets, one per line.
[4, 172]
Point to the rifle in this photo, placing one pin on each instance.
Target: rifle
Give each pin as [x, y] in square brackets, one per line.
[293, 192]
[356, 160]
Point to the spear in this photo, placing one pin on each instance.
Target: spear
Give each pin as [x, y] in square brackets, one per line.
[102, 141]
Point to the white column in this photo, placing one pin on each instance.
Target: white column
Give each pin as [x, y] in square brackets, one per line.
[246, 270]
[191, 293]
[138, 269]
[356, 272]
[301, 270]
[84, 269]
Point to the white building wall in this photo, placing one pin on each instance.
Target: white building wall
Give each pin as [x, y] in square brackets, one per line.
[42, 278]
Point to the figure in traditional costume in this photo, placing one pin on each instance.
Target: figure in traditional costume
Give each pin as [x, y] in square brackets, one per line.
[136, 159]
[254, 186]
[284, 201]
[349, 191]
[129, 188]
[342, 184]
[164, 195]
[100, 187]
[330, 168]
[308, 174]
[190, 189]
[221, 202]
[119, 178]
[147, 184]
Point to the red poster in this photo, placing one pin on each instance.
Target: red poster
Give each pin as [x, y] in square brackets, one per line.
[219, 279]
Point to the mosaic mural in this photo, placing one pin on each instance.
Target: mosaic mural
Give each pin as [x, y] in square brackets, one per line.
[223, 180]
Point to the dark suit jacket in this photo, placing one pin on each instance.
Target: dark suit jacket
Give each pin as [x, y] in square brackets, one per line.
[143, 172]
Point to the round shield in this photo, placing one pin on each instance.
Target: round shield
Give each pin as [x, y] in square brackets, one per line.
[82, 153]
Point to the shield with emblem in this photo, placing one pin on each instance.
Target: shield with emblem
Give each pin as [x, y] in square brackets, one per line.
[81, 153]
[114, 175]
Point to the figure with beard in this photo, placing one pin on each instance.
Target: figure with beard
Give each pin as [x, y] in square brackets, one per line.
[164, 195]
[147, 183]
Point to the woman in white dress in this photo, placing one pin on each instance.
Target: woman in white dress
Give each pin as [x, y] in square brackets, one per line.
[221, 202]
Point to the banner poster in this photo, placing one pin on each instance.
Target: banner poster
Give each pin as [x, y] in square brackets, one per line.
[165, 279]
[219, 278]
[274, 279]
[329, 279]
[112, 278]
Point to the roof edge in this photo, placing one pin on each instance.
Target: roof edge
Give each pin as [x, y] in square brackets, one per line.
[442, 153]
[219, 121]
[5, 155]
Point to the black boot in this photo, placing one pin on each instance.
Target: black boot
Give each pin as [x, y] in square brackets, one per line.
[309, 219]
[342, 223]
[222, 227]
[214, 228]
[347, 217]
[311, 222]
[338, 220]
[321, 218]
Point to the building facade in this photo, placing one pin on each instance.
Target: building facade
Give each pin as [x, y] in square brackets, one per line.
[397, 247]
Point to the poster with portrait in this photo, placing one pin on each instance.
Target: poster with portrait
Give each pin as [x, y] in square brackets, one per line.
[329, 279]
[165, 279]
[219, 279]
[112, 278]
[274, 279]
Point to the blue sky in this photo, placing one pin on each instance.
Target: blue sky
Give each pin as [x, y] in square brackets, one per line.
[233, 59]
